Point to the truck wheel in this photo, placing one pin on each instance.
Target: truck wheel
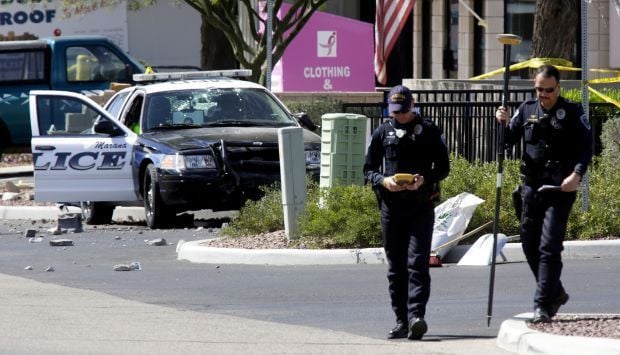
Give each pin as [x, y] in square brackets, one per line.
[156, 213]
[95, 213]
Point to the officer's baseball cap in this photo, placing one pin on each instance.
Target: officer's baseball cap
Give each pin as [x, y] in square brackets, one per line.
[399, 99]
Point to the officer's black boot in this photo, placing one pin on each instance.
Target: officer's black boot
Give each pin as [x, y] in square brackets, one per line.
[417, 328]
[540, 316]
[559, 301]
[399, 331]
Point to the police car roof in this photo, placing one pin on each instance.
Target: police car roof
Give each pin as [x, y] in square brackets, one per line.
[210, 83]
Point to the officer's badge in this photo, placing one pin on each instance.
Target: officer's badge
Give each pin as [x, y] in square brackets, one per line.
[585, 121]
[400, 133]
[533, 119]
[560, 114]
[417, 129]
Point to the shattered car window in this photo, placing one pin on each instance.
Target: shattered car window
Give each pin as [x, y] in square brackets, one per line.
[212, 108]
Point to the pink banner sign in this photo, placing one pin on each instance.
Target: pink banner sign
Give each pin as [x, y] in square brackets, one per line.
[331, 53]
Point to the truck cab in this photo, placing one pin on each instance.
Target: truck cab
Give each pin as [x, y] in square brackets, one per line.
[83, 64]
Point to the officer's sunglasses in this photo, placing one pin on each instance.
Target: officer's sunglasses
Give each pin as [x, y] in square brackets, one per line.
[547, 90]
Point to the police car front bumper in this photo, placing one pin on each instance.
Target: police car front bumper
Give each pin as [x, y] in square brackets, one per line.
[195, 190]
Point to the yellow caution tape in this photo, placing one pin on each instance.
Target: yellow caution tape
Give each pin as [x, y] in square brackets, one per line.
[561, 64]
[604, 80]
[605, 97]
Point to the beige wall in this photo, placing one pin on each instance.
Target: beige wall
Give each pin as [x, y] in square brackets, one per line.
[494, 54]
[598, 36]
[467, 22]
[614, 37]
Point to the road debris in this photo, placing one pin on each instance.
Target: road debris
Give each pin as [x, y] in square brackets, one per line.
[61, 242]
[128, 267]
[157, 242]
[70, 221]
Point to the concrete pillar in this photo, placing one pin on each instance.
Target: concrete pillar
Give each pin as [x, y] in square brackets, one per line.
[417, 39]
[467, 23]
[438, 39]
[493, 51]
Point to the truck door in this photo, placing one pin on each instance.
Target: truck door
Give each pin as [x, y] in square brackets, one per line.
[80, 152]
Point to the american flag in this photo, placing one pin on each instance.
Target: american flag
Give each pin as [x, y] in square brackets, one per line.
[390, 18]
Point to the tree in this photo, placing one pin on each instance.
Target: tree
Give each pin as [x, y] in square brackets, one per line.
[220, 21]
[556, 26]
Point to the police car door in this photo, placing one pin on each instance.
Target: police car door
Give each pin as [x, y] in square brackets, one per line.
[80, 152]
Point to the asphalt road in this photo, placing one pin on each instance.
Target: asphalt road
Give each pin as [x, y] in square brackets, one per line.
[352, 298]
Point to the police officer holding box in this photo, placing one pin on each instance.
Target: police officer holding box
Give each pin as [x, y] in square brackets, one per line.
[414, 159]
[556, 153]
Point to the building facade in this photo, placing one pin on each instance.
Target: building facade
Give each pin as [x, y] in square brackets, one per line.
[446, 41]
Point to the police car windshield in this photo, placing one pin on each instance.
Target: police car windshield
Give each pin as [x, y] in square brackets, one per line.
[213, 107]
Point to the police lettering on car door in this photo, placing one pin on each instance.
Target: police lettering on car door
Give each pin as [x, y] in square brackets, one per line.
[103, 156]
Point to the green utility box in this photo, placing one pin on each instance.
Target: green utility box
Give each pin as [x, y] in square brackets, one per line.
[343, 149]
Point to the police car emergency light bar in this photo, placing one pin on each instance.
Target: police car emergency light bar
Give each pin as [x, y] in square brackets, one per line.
[189, 75]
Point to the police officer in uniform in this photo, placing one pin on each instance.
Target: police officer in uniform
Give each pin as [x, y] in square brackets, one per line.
[557, 150]
[407, 144]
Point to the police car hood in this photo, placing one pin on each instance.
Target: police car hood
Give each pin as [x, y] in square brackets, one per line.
[201, 137]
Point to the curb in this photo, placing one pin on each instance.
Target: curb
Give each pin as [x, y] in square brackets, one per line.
[195, 252]
[515, 336]
[21, 170]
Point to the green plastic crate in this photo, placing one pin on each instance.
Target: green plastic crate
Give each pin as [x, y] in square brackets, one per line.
[343, 149]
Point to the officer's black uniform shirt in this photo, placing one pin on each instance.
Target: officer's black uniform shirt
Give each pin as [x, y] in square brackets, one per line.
[557, 141]
[415, 148]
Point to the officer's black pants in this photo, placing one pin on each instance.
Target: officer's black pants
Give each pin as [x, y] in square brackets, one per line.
[543, 229]
[407, 232]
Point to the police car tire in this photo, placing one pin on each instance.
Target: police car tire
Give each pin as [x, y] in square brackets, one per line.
[158, 215]
[96, 213]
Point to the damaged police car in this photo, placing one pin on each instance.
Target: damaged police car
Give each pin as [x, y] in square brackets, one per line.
[179, 142]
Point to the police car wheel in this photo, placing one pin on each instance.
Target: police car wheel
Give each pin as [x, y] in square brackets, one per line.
[156, 213]
[94, 213]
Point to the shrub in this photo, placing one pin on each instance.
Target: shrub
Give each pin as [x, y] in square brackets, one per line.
[342, 216]
[264, 215]
[575, 95]
[601, 218]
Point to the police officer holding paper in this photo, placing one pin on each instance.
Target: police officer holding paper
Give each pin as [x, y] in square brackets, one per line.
[557, 150]
[414, 158]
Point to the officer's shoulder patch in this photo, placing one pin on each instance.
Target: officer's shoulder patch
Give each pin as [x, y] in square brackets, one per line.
[585, 121]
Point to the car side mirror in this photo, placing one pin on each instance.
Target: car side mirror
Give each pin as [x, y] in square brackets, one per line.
[305, 121]
[107, 127]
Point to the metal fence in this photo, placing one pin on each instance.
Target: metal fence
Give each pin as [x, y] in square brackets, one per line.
[467, 118]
